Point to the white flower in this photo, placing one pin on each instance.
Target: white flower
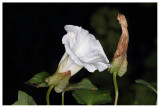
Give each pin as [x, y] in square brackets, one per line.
[82, 50]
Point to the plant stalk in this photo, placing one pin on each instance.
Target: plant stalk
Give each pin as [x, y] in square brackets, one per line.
[62, 98]
[116, 87]
[48, 93]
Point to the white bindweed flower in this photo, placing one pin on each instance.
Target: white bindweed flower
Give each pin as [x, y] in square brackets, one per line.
[82, 50]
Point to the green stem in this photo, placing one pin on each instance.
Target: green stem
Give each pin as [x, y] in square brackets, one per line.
[116, 87]
[48, 93]
[62, 98]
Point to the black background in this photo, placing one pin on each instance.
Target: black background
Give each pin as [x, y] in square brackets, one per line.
[32, 34]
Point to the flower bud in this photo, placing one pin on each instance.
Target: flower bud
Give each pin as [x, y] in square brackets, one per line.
[119, 62]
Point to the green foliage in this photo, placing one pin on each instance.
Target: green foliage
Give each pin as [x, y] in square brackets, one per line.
[140, 81]
[87, 93]
[102, 79]
[143, 96]
[127, 98]
[84, 84]
[91, 97]
[151, 61]
[107, 28]
[38, 80]
[102, 20]
[24, 99]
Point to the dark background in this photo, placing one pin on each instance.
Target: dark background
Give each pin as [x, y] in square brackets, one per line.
[32, 42]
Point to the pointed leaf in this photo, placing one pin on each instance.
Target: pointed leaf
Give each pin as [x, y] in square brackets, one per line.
[24, 99]
[91, 97]
[38, 80]
[84, 84]
[140, 81]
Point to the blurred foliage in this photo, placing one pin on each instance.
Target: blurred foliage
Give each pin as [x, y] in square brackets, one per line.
[140, 81]
[144, 96]
[107, 29]
[147, 5]
[150, 61]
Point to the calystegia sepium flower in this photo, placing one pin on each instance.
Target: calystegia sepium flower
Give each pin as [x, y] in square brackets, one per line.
[82, 49]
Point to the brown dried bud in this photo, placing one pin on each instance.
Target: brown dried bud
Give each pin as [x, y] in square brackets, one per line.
[119, 63]
[123, 42]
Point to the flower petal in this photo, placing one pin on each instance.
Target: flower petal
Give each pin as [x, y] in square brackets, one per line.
[67, 64]
[84, 49]
[62, 59]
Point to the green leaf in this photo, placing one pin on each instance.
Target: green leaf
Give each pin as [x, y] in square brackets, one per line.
[91, 97]
[24, 99]
[84, 84]
[140, 81]
[38, 80]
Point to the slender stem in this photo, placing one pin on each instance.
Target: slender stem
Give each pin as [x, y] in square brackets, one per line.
[62, 98]
[48, 93]
[116, 87]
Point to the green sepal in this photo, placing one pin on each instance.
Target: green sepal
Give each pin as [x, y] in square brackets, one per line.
[116, 64]
[56, 78]
[123, 68]
[60, 87]
[119, 65]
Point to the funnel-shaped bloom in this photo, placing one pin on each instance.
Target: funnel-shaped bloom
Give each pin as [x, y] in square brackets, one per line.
[82, 50]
